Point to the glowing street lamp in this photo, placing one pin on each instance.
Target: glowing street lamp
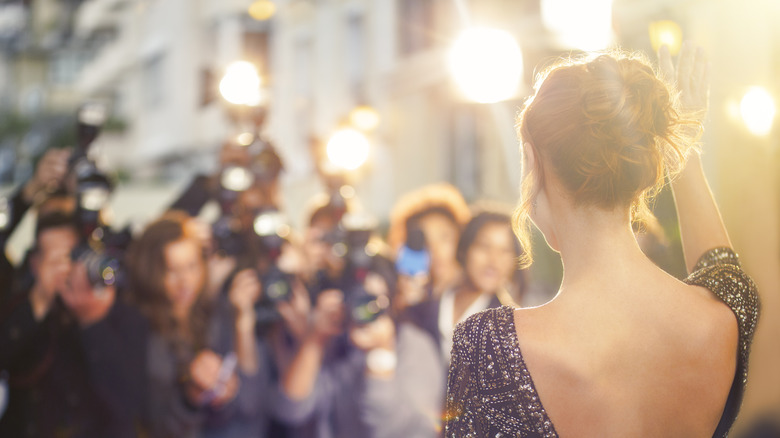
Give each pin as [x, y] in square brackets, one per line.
[241, 84]
[262, 10]
[757, 109]
[347, 150]
[487, 64]
[580, 24]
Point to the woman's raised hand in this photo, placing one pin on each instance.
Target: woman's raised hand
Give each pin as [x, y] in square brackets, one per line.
[691, 77]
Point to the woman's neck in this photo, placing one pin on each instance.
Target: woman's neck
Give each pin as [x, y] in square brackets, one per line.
[598, 249]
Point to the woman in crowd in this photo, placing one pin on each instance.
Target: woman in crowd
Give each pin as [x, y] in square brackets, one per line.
[487, 252]
[624, 349]
[440, 211]
[192, 389]
[405, 371]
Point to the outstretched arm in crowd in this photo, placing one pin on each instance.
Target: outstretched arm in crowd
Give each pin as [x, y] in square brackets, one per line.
[49, 174]
[404, 383]
[327, 321]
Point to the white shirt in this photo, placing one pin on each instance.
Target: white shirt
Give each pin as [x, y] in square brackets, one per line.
[447, 314]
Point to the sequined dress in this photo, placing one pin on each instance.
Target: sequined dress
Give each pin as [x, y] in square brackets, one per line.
[491, 393]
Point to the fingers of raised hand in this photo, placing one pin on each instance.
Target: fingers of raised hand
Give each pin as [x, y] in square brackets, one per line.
[685, 64]
[665, 63]
[700, 75]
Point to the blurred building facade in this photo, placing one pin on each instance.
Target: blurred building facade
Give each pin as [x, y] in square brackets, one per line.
[38, 64]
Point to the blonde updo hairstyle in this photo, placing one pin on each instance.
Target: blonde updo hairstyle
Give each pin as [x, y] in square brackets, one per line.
[609, 129]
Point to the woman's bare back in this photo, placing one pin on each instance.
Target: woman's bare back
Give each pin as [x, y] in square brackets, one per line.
[660, 364]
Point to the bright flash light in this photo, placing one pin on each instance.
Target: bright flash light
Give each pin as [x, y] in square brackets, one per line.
[347, 191]
[245, 138]
[237, 178]
[94, 198]
[364, 118]
[580, 24]
[666, 33]
[268, 224]
[4, 213]
[262, 10]
[758, 110]
[93, 113]
[487, 64]
[347, 149]
[241, 84]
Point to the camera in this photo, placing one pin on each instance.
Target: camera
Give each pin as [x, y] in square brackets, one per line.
[352, 242]
[260, 169]
[413, 258]
[99, 248]
[272, 229]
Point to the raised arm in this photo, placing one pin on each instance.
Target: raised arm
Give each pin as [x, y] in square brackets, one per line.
[701, 226]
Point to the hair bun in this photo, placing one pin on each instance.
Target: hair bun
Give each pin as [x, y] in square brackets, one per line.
[608, 126]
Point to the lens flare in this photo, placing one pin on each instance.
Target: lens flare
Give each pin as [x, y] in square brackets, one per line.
[666, 33]
[241, 84]
[348, 149]
[758, 111]
[579, 24]
[487, 64]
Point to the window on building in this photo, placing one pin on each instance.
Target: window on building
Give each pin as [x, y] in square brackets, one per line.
[303, 71]
[465, 163]
[65, 66]
[355, 56]
[416, 23]
[256, 50]
[153, 81]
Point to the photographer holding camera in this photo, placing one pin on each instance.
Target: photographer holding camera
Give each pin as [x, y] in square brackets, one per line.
[68, 347]
[329, 367]
[50, 172]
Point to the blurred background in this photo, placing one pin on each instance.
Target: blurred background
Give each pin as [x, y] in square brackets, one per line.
[395, 91]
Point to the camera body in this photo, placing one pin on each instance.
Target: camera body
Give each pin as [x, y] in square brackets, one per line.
[260, 168]
[271, 229]
[351, 242]
[100, 249]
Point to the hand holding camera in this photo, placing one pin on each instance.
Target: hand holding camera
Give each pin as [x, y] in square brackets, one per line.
[49, 174]
[244, 293]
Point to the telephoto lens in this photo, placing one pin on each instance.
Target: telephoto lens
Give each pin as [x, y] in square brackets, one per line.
[364, 307]
[102, 269]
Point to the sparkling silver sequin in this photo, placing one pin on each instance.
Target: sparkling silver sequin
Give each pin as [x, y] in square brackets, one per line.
[490, 392]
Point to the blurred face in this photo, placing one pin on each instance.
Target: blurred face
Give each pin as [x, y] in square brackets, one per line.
[315, 248]
[52, 263]
[441, 236]
[491, 258]
[250, 202]
[184, 274]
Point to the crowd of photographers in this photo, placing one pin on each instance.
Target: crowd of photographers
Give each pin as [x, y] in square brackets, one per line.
[244, 327]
